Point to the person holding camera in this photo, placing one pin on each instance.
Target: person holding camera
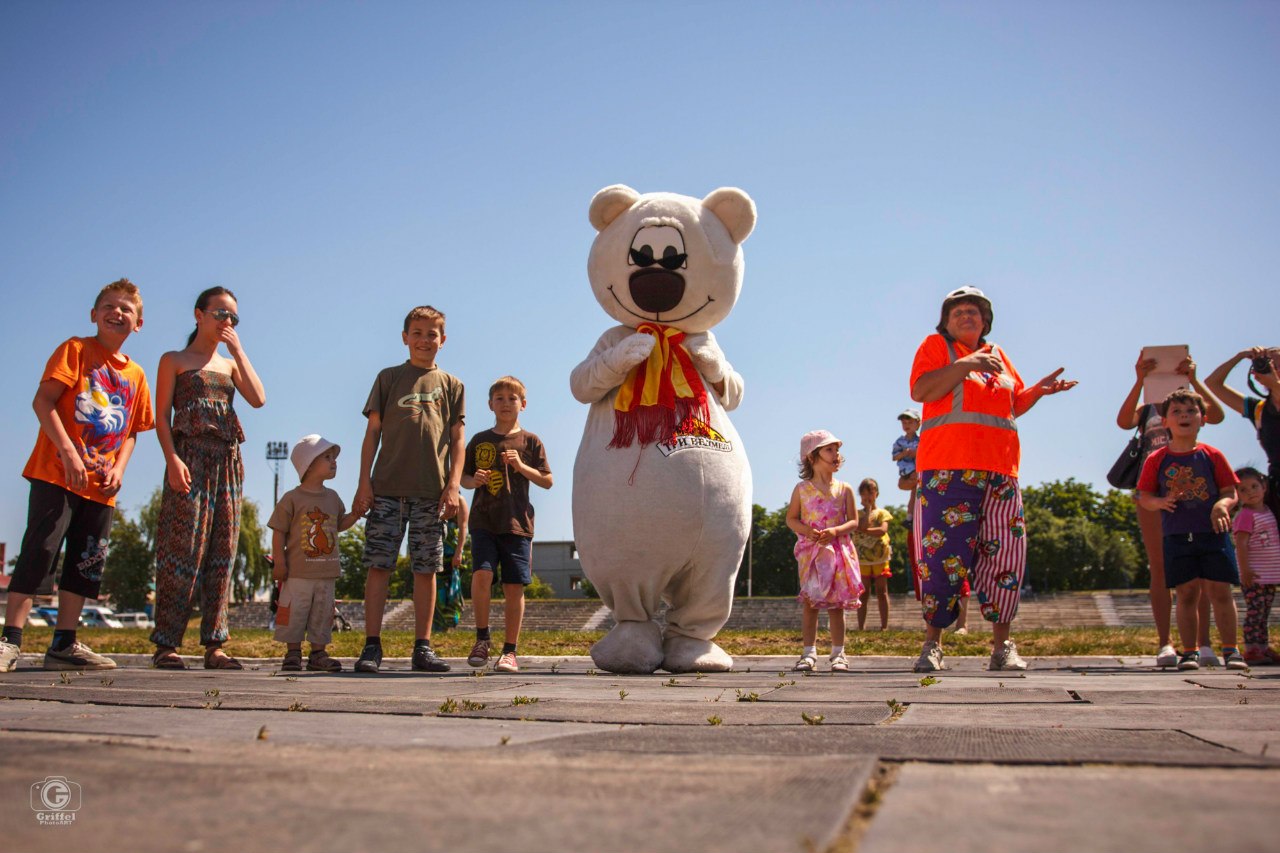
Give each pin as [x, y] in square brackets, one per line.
[1263, 411]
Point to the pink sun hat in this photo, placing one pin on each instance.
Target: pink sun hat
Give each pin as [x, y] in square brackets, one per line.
[816, 439]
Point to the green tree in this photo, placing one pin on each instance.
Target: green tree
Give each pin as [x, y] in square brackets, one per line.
[350, 583]
[772, 556]
[539, 589]
[1064, 498]
[1075, 553]
[251, 572]
[130, 568]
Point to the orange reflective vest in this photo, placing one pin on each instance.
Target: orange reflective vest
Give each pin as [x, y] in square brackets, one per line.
[973, 425]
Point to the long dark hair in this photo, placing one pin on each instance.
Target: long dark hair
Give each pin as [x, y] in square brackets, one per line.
[202, 302]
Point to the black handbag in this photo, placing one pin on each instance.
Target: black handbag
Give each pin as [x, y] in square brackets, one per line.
[1124, 473]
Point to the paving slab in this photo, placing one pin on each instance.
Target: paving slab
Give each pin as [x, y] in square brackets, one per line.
[731, 712]
[983, 808]
[267, 796]
[1085, 716]
[176, 726]
[916, 743]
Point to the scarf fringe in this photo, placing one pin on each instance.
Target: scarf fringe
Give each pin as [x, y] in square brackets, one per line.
[650, 424]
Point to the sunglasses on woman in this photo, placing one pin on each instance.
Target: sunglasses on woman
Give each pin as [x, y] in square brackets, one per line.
[221, 314]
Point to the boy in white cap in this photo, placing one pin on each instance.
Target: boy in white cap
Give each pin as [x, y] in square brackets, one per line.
[304, 541]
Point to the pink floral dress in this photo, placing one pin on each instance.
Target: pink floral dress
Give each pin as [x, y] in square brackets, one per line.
[830, 578]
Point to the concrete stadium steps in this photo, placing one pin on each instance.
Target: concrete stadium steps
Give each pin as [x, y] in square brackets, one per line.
[1054, 610]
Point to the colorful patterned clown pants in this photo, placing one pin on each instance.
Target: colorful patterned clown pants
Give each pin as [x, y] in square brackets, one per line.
[196, 538]
[968, 524]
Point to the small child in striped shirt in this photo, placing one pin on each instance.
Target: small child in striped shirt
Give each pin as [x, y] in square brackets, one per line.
[1258, 552]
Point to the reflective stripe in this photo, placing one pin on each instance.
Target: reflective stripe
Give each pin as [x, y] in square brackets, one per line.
[958, 415]
[977, 418]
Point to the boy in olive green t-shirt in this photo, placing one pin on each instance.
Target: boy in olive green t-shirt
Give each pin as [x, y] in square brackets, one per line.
[415, 413]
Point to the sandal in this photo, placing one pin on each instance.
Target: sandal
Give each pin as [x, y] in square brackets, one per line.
[839, 664]
[216, 658]
[321, 662]
[292, 661]
[807, 663]
[167, 658]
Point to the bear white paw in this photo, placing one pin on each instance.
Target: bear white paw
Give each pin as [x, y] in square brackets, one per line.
[707, 355]
[631, 648]
[685, 654]
[629, 352]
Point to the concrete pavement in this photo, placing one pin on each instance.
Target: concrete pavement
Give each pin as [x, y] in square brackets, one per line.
[1075, 754]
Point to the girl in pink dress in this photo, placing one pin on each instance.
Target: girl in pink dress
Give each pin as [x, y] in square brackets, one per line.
[822, 513]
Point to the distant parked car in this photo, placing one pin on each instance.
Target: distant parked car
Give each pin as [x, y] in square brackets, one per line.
[134, 619]
[97, 616]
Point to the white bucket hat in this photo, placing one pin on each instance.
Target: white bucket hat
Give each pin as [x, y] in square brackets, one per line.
[307, 450]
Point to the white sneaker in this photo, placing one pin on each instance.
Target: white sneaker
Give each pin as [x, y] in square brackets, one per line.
[8, 656]
[1207, 657]
[930, 659]
[1006, 657]
[1166, 656]
[961, 632]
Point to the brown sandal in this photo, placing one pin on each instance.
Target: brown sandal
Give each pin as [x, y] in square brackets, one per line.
[167, 658]
[216, 658]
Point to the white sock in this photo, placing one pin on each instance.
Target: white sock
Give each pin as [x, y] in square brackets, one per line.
[836, 651]
[809, 651]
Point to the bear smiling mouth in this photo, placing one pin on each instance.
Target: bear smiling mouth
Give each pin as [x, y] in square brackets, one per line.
[657, 317]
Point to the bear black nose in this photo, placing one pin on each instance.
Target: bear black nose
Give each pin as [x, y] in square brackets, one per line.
[656, 290]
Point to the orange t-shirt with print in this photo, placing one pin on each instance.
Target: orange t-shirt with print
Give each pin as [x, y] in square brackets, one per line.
[106, 400]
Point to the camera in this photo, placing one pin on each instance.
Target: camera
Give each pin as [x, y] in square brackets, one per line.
[1262, 364]
[55, 794]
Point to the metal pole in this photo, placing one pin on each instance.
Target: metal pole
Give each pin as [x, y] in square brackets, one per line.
[750, 560]
[276, 452]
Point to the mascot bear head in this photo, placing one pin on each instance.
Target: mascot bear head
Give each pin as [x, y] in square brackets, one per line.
[667, 258]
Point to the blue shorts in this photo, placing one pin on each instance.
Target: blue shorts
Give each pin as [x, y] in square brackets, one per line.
[384, 531]
[506, 551]
[1205, 556]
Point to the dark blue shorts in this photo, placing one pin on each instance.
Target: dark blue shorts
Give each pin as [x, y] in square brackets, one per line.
[1206, 556]
[506, 551]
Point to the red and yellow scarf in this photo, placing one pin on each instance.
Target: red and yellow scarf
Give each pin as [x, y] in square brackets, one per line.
[660, 393]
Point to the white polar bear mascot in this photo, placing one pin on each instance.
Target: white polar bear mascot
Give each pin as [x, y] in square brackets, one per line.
[661, 485]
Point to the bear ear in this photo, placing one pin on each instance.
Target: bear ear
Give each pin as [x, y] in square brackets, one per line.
[609, 203]
[735, 209]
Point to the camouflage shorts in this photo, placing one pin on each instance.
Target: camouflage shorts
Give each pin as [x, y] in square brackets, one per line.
[384, 531]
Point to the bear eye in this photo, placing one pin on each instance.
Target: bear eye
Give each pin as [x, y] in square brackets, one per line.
[672, 259]
[643, 257]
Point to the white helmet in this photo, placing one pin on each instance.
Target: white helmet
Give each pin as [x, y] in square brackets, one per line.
[967, 294]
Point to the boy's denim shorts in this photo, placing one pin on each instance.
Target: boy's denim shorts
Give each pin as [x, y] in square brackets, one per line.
[384, 531]
[508, 551]
[1207, 556]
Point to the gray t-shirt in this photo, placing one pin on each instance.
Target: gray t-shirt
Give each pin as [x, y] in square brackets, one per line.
[418, 407]
[309, 521]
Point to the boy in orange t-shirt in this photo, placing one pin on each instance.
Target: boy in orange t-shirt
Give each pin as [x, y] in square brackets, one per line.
[92, 402]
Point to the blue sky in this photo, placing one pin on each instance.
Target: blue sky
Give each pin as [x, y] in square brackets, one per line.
[1106, 172]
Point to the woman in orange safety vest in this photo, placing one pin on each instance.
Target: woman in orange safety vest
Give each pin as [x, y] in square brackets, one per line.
[968, 516]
